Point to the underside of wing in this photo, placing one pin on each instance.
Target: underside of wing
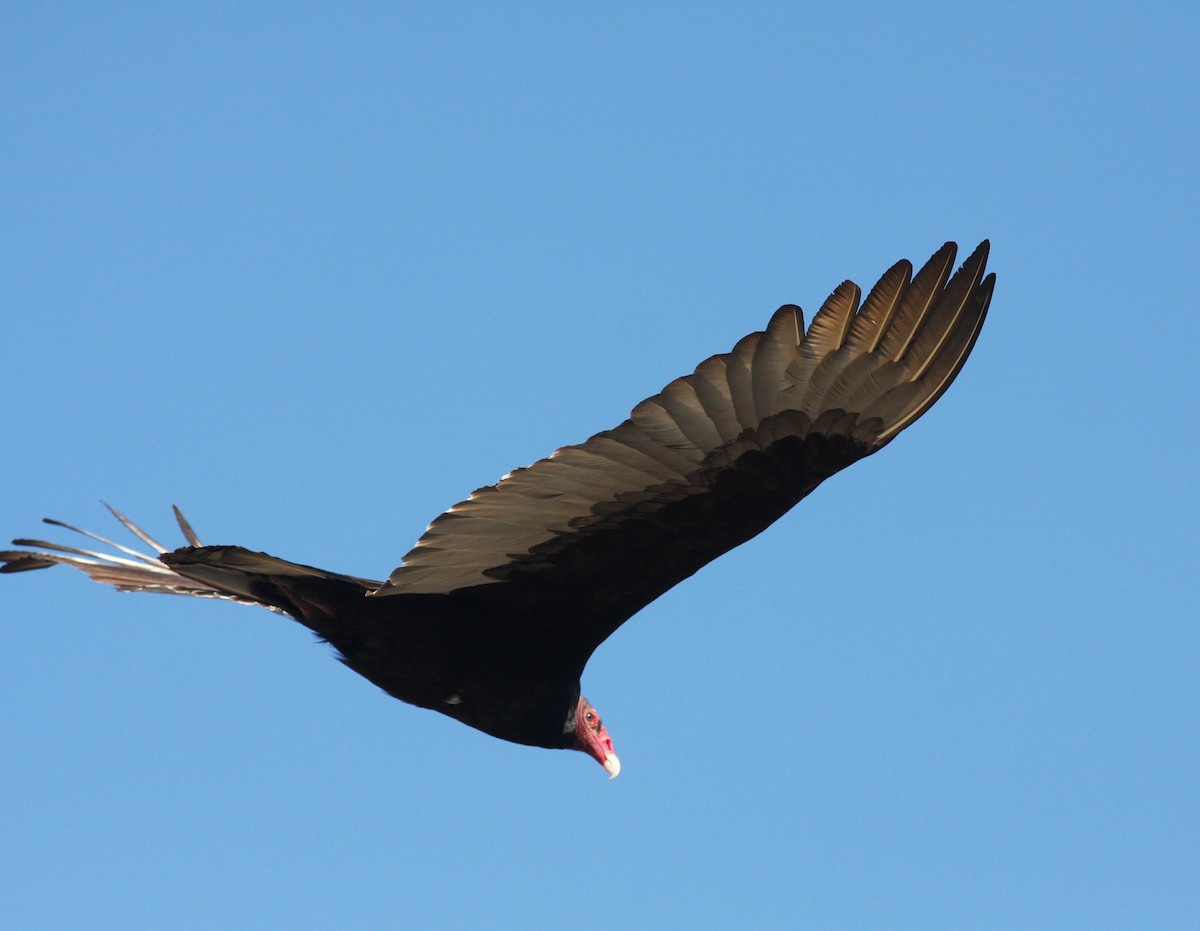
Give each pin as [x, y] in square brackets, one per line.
[603, 527]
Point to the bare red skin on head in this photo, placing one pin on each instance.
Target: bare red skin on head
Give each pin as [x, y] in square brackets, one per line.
[592, 738]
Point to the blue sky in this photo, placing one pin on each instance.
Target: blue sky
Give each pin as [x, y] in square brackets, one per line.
[315, 272]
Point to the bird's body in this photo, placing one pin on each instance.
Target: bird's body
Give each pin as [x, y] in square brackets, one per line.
[492, 617]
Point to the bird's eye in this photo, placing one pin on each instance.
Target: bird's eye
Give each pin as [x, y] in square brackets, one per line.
[590, 716]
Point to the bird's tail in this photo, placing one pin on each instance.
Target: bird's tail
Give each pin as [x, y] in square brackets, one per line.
[227, 572]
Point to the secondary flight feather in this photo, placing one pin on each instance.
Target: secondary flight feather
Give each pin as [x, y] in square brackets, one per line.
[492, 616]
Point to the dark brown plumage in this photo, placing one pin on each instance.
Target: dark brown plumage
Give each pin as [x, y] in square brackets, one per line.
[493, 615]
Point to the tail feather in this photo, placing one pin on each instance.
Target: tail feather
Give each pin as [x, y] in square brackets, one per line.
[231, 573]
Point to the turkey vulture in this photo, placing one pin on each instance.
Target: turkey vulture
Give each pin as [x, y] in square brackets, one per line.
[492, 616]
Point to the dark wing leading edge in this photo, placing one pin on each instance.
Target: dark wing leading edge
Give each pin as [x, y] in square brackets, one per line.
[582, 540]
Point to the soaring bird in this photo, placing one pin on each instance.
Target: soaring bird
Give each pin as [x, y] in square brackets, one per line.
[493, 615]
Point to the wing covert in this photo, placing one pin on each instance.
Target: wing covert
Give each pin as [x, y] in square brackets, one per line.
[598, 529]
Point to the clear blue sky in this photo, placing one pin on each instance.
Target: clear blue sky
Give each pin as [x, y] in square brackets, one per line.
[314, 272]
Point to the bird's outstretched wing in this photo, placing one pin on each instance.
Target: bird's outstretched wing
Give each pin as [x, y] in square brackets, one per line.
[127, 569]
[598, 530]
[229, 573]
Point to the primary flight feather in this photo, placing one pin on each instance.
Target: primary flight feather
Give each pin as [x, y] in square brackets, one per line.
[493, 615]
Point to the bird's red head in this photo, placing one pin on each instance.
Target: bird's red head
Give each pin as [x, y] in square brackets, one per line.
[593, 739]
